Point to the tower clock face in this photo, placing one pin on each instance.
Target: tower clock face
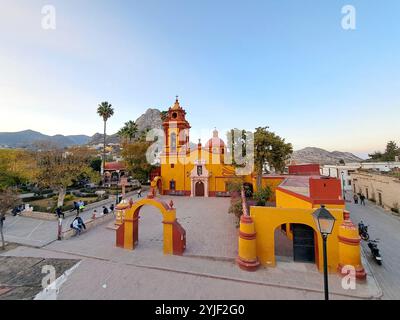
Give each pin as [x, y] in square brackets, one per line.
[174, 115]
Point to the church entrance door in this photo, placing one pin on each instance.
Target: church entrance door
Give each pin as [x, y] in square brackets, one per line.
[199, 189]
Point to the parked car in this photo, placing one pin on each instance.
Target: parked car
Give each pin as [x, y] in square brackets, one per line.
[135, 183]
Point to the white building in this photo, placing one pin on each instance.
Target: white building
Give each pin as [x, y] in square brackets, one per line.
[344, 172]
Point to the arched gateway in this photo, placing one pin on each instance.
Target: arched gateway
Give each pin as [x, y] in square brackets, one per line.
[128, 230]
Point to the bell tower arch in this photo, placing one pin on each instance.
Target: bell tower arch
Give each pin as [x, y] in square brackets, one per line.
[176, 129]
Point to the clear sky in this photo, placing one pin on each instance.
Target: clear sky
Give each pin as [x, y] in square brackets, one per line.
[285, 64]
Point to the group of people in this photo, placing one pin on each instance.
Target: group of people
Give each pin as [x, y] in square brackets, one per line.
[360, 197]
[79, 206]
[107, 211]
[77, 224]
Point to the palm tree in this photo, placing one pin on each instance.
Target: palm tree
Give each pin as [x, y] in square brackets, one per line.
[105, 111]
[123, 134]
[129, 130]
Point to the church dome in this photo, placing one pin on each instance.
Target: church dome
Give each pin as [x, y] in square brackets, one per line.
[215, 142]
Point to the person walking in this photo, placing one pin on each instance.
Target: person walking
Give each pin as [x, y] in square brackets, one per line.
[76, 207]
[139, 193]
[355, 197]
[362, 198]
[60, 213]
[112, 208]
[105, 210]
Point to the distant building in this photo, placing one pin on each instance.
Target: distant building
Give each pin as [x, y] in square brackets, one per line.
[113, 171]
[384, 189]
[344, 172]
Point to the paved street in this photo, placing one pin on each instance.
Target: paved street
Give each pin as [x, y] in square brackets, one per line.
[386, 227]
[38, 233]
[206, 271]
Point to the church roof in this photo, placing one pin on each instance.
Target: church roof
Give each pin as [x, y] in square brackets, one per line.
[113, 166]
[215, 141]
[176, 105]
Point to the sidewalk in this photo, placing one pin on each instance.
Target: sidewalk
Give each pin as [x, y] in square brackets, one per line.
[38, 233]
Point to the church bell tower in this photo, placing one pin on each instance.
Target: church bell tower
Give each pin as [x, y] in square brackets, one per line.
[176, 129]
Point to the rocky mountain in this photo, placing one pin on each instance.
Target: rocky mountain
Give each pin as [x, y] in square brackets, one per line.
[321, 156]
[151, 119]
[28, 138]
[97, 138]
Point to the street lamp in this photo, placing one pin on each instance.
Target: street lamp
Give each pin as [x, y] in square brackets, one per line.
[325, 222]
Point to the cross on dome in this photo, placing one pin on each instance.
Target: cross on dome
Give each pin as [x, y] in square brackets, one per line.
[176, 105]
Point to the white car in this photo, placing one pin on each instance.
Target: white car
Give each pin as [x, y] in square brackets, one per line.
[135, 183]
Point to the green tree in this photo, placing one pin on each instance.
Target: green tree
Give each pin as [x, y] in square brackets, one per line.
[236, 142]
[134, 155]
[129, 131]
[58, 169]
[392, 150]
[164, 115]
[105, 111]
[269, 148]
[376, 156]
[16, 167]
[262, 196]
[95, 164]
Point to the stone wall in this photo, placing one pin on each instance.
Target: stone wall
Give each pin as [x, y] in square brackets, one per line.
[383, 189]
[90, 224]
[39, 215]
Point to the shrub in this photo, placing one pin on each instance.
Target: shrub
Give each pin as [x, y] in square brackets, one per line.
[46, 191]
[395, 208]
[30, 199]
[67, 208]
[234, 185]
[68, 197]
[39, 209]
[236, 208]
[262, 196]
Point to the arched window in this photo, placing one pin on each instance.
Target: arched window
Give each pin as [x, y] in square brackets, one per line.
[173, 142]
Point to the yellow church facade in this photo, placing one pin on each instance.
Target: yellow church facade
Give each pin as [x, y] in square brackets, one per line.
[198, 172]
[202, 172]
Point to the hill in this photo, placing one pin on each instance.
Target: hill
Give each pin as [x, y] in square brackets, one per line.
[28, 138]
[321, 156]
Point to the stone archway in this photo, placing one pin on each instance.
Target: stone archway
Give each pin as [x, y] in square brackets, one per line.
[317, 243]
[127, 235]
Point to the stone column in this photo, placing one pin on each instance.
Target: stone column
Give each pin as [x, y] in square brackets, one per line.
[349, 248]
[247, 257]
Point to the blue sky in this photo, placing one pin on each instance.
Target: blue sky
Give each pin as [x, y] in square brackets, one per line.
[285, 64]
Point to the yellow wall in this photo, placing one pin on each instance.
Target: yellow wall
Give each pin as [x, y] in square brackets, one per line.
[285, 200]
[184, 164]
[267, 219]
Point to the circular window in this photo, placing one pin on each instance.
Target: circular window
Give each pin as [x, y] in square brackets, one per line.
[174, 115]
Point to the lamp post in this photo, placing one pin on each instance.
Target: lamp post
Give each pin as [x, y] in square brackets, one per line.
[325, 222]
